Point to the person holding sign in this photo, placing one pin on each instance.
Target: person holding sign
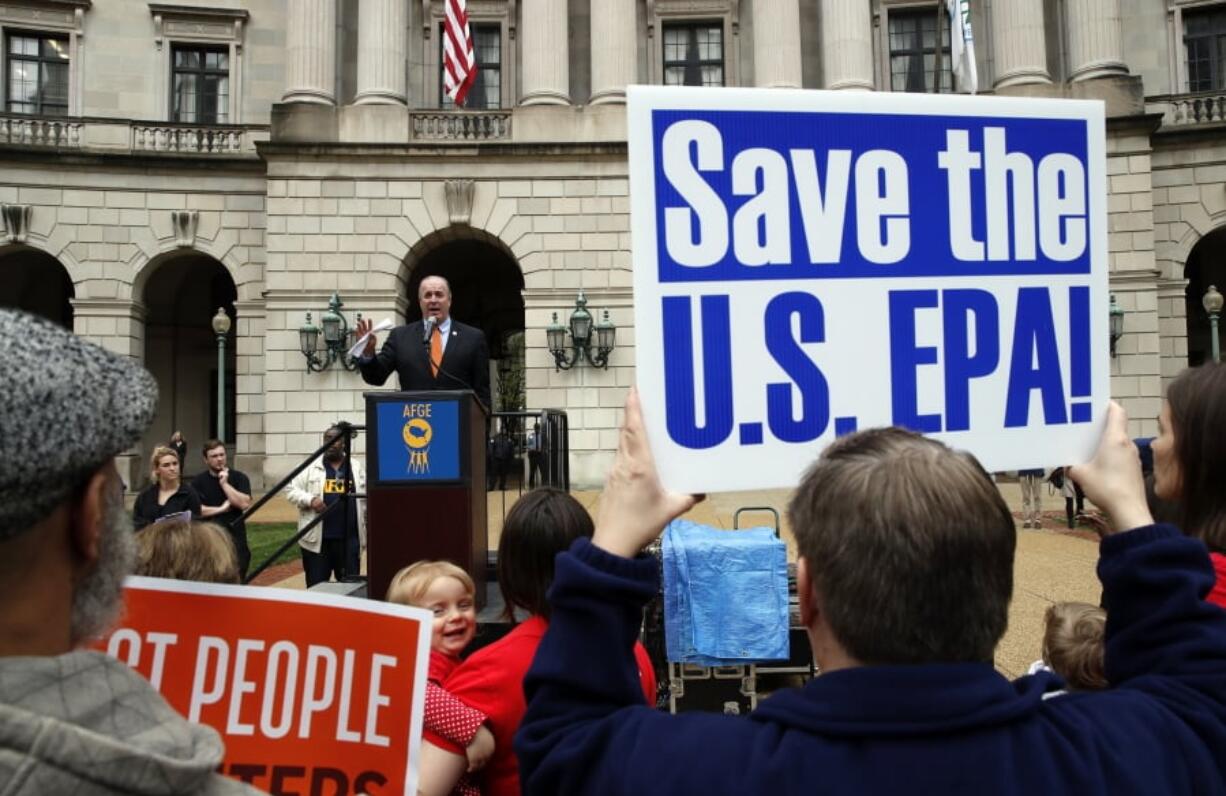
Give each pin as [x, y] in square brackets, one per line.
[904, 579]
[435, 353]
[76, 721]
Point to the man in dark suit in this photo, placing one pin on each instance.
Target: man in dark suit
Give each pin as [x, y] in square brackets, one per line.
[446, 356]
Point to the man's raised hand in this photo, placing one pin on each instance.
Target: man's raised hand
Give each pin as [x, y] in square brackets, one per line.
[364, 326]
[635, 507]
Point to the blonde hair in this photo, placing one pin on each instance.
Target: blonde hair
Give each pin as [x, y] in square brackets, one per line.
[1073, 644]
[200, 551]
[160, 452]
[409, 585]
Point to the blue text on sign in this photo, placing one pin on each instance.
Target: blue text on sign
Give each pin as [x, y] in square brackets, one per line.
[746, 195]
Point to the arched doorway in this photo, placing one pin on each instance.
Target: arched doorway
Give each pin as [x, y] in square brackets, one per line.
[181, 296]
[487, 289]
[1206, 266]
[36, 282]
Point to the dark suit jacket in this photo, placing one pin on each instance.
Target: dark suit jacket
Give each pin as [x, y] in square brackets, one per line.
[465, 365]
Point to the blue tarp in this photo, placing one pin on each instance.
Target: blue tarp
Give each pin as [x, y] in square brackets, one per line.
[725, 595]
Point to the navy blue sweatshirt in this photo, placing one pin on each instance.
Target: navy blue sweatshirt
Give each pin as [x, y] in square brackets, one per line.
[930, 729]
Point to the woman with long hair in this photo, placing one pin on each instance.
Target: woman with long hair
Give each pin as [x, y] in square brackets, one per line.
[167, 494]
[1190, 460]
[541, 524]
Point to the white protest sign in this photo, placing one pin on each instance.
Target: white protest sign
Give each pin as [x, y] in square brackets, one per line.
[808, 263]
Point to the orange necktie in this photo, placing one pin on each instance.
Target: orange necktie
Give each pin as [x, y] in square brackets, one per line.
[436, 351]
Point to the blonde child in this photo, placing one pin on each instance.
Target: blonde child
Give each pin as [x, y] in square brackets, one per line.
[1073, 644]
[446, 590]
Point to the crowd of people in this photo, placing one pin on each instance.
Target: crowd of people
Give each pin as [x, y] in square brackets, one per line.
[904, 577]
[219, 493]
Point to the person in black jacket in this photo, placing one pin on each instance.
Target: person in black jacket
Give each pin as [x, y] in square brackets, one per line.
[452, 356]
[167, 494]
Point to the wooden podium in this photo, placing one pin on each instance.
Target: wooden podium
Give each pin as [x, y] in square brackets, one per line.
[425, 491]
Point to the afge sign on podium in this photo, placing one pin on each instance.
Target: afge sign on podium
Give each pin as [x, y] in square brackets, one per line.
[808, 263]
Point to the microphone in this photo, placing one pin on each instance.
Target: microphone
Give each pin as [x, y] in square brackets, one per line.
[427, 328]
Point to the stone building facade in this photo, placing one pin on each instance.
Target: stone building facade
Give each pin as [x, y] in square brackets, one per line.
[160, 161]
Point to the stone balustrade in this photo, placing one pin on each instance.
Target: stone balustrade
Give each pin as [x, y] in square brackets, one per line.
[1184, 110]
[461, 125]
[126, 136]
[41, 132]
[205, 140]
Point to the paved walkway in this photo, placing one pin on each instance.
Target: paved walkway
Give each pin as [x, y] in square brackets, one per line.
[1052, 563]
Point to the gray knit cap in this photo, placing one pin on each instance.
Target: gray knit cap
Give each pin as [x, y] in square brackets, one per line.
[66, 407]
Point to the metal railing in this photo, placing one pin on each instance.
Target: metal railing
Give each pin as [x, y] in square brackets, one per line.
[348, 430]
[551, 462]
[461, 125]
[550, 466]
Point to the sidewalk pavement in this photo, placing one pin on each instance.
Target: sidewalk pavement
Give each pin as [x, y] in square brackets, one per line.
[1052, 563]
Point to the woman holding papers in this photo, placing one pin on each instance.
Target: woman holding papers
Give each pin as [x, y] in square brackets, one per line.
[167, 494]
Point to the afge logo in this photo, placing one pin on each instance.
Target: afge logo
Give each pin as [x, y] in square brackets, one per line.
[417, 440]
[811, 263]
[417, 433]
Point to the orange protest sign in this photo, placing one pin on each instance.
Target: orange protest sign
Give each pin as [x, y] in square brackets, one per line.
[313, 694]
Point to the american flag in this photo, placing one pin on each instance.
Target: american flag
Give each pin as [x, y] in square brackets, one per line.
[459, 65]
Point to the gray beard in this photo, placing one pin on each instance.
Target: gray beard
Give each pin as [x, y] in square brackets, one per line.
[97, 600]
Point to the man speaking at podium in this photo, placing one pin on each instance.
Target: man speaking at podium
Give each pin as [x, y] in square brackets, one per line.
[435, 353]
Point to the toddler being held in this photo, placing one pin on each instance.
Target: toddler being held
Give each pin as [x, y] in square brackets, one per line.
[448, 592]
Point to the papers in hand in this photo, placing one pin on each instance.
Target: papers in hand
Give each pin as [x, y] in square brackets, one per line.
[178, 516]
[381, 326]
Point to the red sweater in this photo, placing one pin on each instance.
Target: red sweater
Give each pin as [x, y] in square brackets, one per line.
[450, 718]
[491, 680]
[1217, 595]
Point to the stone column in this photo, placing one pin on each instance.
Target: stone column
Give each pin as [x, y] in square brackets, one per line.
[847, 43]
[310, 63]
[1095, 39]
[614, 51]
[546, 56]
[382, 44]
[776, 43]
[1018, 43]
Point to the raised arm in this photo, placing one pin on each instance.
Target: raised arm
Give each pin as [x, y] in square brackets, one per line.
[1162, 637]
[375, 368]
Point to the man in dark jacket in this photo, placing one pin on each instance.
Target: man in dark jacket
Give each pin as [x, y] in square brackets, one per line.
[435, 353]
[904, 578]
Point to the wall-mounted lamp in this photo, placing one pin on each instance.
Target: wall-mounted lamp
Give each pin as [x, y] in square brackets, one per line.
[1213, 307]
[337, 338]
[581, 328]
[1117, 323]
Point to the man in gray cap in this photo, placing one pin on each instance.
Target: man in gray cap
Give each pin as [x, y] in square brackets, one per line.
[75, 721]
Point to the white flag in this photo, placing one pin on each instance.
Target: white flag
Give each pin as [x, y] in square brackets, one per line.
[962, 44]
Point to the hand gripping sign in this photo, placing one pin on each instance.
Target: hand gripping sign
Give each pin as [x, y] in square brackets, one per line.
[808, 263]
[312, 694]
